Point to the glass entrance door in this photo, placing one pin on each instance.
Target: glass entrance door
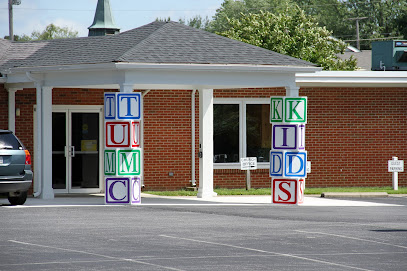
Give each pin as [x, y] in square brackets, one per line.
[75, 151]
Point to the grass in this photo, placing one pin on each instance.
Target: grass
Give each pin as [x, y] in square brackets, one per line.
[267, 191]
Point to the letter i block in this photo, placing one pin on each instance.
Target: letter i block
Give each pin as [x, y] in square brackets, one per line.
[287, 191]
[117, 190]
[288, 137]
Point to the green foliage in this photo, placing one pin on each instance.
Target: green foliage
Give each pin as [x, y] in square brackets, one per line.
[54, 32]
[291, 33]
[50, 32]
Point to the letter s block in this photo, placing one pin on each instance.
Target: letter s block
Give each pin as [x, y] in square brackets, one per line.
[284, 191]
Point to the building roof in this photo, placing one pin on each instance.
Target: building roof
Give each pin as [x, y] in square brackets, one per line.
[157, 42]
[363, 58]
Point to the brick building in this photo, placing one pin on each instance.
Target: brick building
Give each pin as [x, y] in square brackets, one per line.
[201, 93]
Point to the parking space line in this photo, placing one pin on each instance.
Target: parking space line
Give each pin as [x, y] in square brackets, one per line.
[350, 237]
[95, 254]
[264, 251]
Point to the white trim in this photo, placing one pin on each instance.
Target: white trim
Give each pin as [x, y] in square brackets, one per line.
[353, 79]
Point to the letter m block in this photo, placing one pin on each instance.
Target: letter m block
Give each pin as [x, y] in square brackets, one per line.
[110, 162]
[129, 162]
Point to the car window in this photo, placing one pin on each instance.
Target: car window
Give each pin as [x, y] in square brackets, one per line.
[9, 142]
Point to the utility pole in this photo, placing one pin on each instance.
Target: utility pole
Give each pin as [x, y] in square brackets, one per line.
[10, 17]
[357, 29]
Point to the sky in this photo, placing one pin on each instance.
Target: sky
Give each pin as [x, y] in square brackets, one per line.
[78, 14]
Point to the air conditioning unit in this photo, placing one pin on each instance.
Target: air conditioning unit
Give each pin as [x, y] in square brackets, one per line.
[389, 55]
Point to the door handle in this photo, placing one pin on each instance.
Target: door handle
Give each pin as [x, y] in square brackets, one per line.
[72, 151]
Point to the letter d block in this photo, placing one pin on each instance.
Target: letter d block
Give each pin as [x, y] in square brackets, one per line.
[276, 163]
[295, 164]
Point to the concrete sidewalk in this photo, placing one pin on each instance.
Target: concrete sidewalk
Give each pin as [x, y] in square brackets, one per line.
[153, 200]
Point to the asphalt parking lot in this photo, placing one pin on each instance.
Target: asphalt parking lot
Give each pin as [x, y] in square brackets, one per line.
[81, 233]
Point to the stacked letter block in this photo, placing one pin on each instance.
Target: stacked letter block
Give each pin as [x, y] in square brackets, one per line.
[288, 158]
[122, 154]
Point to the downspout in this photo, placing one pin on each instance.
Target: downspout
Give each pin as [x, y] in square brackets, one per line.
[142, 134]
[193, 181]
[37, 170]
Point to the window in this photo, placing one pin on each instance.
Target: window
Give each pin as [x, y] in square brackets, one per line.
[241, 129]
[258, 131]
[226, 133]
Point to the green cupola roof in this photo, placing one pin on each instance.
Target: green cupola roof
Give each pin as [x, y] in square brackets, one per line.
[103, 23]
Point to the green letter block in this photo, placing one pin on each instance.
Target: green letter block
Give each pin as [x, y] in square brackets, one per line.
[276, 109]
[295, 110]
[129, 162]
[110, 162]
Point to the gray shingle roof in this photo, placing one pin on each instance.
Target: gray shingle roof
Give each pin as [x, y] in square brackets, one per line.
[157, 42]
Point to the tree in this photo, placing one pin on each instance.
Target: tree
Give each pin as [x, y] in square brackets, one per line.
[50, 32]
[384, 17]
[292, 33]
[54, 32]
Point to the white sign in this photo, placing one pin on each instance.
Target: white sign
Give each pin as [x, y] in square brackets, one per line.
[308, 166]
[396, 166]
[248, 163]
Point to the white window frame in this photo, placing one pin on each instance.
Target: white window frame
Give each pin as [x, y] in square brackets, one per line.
[242, 102]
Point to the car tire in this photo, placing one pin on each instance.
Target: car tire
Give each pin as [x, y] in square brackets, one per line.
[19, 200]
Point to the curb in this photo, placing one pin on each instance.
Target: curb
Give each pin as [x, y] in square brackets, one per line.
[354, 194]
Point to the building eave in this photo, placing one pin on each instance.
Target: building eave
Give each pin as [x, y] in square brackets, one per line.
[352, 79]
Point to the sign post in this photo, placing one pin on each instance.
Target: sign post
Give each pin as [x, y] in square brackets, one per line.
[248, 163]
[395, 166]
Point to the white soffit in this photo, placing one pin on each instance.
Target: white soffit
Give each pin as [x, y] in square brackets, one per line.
[352, 79]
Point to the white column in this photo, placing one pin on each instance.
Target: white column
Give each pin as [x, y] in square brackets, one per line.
[292, 91]
[38, 144]
[127, 88]
[206, 144]
[12, 109]
[46, 145]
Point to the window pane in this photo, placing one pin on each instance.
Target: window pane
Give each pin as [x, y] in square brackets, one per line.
[258, 131]
[226, 133]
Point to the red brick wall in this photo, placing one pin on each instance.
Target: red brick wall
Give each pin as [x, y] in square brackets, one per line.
[350, 135]
[3, 107]
[167, 139]
[353, 132]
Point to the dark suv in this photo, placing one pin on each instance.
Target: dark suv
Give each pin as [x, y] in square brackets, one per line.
[15, 168]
